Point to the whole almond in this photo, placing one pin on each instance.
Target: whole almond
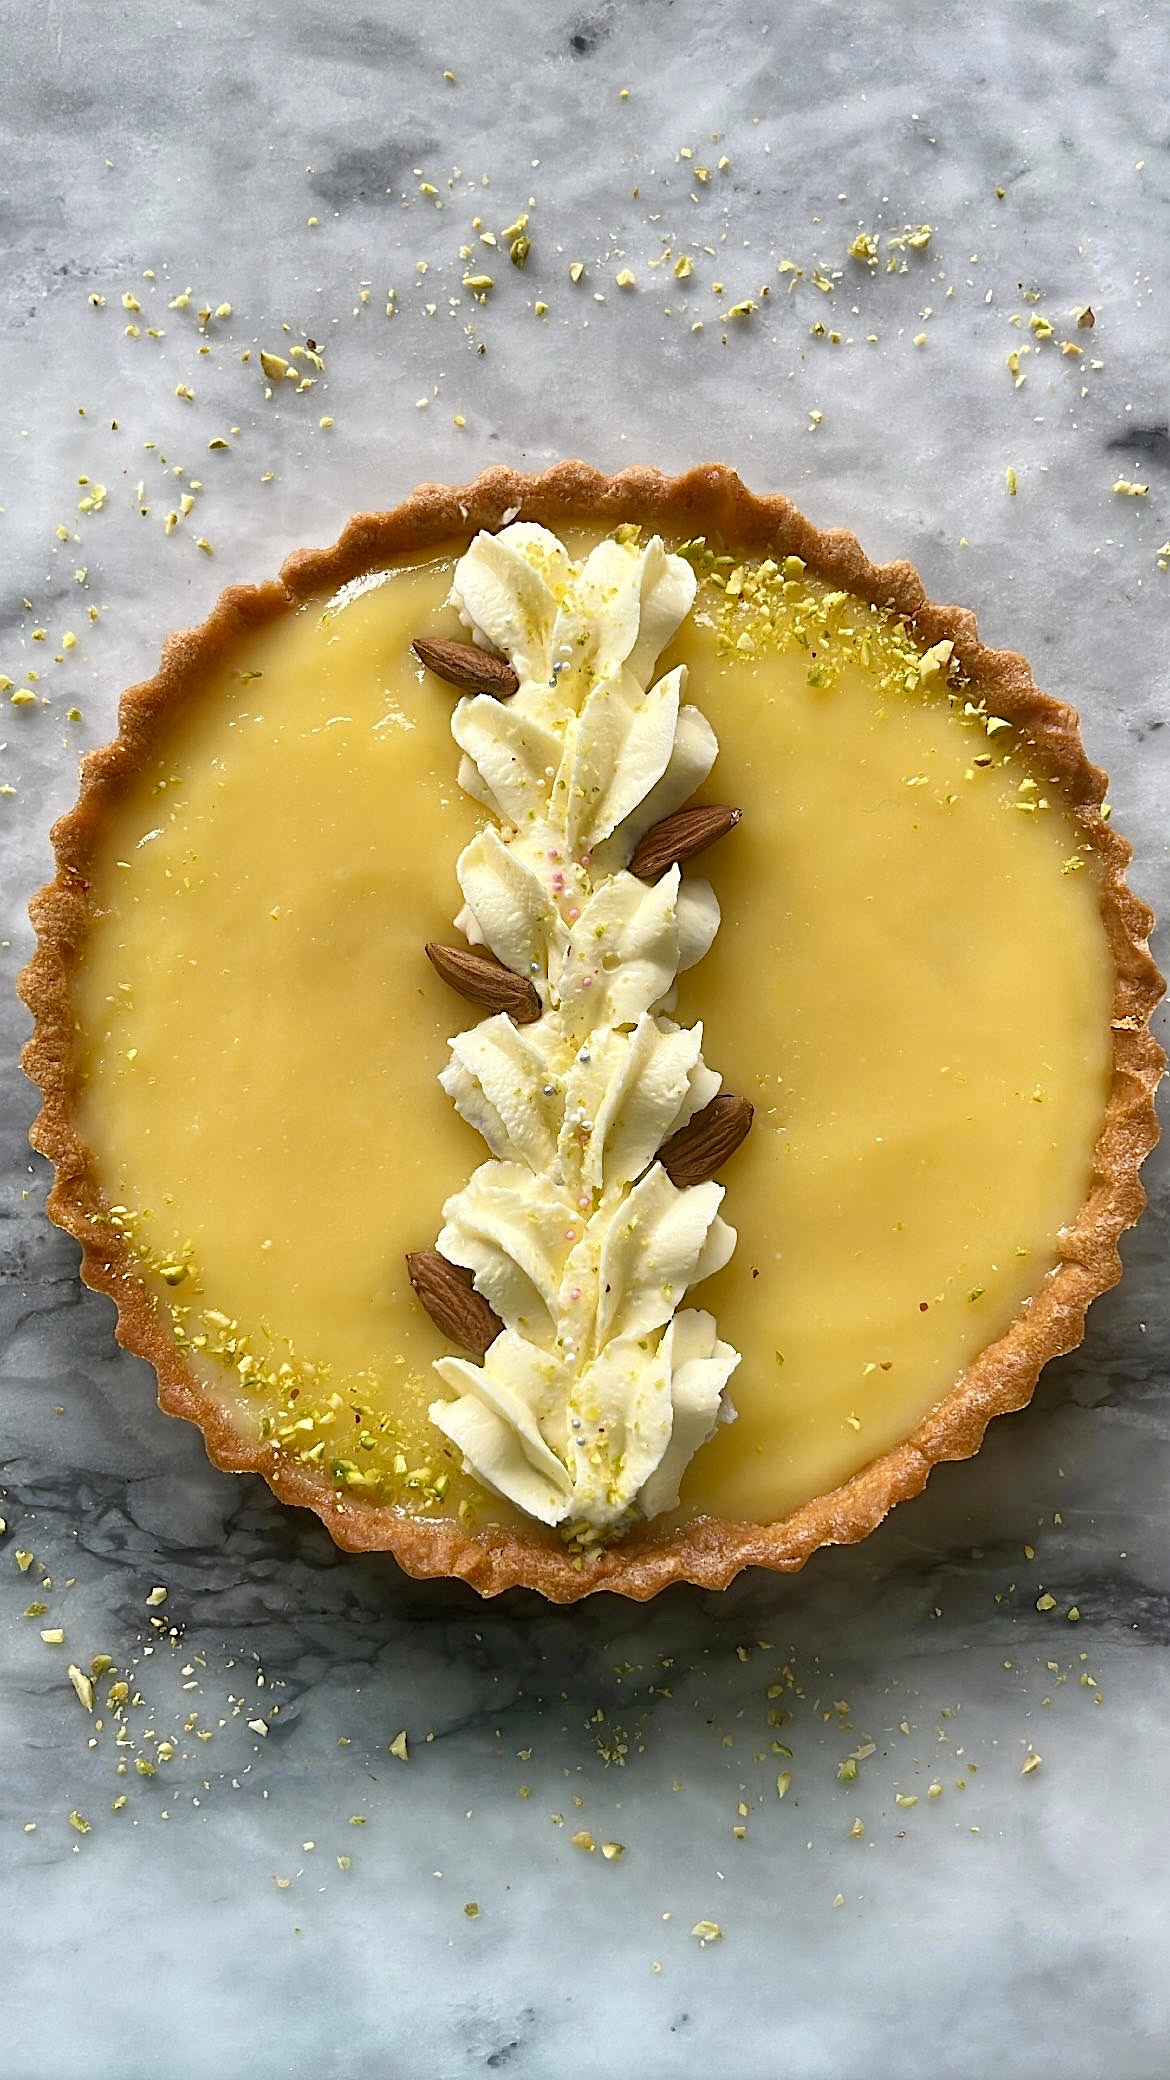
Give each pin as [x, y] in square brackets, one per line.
[464, 665]
[486, 982]
[452, 1302]
[677, 838]
[702, 1147]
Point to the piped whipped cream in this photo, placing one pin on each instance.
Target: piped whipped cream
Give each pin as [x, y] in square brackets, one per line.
[589, 1405]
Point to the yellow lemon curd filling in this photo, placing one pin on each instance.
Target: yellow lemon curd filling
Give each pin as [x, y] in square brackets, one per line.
[911, 983]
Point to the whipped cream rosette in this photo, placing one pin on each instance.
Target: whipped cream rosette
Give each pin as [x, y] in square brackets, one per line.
[600, 1386]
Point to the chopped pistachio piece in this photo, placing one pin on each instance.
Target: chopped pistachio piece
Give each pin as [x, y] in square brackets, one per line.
[82, 1684]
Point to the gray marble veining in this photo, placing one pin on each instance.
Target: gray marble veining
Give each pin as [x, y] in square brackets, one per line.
[1016, 1926]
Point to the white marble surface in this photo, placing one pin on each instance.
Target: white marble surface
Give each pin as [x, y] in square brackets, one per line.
[1016, 1927]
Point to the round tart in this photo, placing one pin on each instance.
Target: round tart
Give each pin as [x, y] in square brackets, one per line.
[814, 1087]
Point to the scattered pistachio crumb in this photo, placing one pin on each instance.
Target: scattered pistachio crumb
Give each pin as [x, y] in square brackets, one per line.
[583, 1840]
[398, 1747]
[82, 1826]
[707, 1932]
[471, 1909]
[613, 1851]
[82, 1684]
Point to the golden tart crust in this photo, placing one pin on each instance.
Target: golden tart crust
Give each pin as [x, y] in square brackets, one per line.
[708, 500]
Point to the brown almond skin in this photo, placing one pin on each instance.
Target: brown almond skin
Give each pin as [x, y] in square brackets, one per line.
[679, 837]
[486, 982]
[466, 666]
[699, 1149]
[452, 1302]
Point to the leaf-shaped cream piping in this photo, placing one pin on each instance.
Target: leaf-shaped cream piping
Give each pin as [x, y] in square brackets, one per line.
[700, 1367]
[694, 753]
[512, 1230]
[645, 1093]
[513, 910]
[590, 1403]
[652, 1252]
[498, 1078]
[509, 591]
[620, 742]
[512, 752]
[499, 1408]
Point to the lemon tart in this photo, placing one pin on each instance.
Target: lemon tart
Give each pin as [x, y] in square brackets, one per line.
[593, 1034]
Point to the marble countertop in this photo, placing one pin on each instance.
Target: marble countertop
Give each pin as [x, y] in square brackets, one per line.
[301, 1900]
